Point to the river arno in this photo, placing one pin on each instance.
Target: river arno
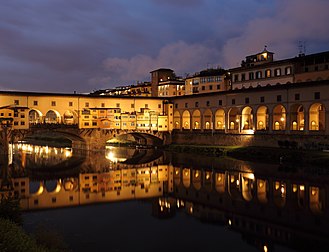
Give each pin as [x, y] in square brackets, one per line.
[145, 200]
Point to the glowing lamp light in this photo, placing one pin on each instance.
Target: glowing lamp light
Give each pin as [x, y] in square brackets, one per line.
[294, 188]
[265, 248]
[196, 174]
[277, 185]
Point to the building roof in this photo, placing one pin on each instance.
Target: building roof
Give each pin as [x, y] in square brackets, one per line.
[162, 69]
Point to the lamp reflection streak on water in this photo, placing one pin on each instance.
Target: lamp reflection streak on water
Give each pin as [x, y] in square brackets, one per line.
[41, 154]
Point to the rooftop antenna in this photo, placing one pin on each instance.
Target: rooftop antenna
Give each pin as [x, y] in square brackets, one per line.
[302, 48]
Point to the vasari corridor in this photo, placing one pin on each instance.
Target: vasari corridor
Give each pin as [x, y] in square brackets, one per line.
[179, 125]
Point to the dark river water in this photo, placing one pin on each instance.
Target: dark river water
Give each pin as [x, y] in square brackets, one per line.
[126, 199]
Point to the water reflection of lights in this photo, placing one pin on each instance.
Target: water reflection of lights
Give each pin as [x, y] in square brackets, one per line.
[112, 155]
[44, 151]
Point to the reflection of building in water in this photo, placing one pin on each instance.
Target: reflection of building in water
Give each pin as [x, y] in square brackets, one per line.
[90, 188]
[265, 209]
[280, 209]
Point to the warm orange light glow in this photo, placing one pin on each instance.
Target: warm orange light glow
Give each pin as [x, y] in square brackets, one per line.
[277, 185]
[265, 248]
[196, 174]
[294, 188]
[314, 190]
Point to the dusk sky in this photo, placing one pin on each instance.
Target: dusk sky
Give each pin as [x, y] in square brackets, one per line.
[86, 45]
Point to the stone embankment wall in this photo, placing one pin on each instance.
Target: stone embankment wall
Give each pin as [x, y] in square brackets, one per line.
[310, 141]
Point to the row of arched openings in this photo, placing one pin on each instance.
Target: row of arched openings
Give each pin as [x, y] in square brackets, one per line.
[52, 116]
[247, 119]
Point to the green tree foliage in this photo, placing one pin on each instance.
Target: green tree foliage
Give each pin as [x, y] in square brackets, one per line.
[10, 209]
[49, 238]
[14, 239]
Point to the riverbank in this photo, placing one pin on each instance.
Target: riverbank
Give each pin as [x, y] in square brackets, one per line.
[271, 155]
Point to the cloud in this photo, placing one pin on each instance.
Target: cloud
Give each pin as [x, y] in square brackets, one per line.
[293, 21]
[82, 45]
[179, 3]
[181, 57]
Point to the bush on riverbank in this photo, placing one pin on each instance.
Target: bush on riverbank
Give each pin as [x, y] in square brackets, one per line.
[13, 238]
[10, 209]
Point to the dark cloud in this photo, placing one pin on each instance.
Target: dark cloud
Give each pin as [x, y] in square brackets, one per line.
[179, 3]
[293, 21]
[85, 45]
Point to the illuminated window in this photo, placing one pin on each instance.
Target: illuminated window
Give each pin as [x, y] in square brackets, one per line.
[288, 70]
[277, 72]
